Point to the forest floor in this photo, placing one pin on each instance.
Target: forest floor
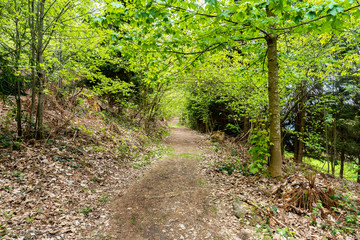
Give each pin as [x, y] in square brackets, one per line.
[93, 179]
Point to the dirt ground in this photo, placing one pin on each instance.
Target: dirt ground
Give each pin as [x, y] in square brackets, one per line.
[172, 200]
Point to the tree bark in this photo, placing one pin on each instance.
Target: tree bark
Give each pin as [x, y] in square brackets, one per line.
[333, 156]
[300, 129]
[40, 72]
[326, 141]
[358, 177]
[342, 160]
[32, 61]
[18, 78]
[274, 107]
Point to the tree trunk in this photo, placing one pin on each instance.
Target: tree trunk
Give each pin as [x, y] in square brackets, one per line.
[297, 129]
[40, 72]
[326, 141]
[342, 160]
[274, 107]
[32, 61]
[300, 129]
[246, 124]
[358, 176]
[18, 78]
[18, 108]
[333, 156]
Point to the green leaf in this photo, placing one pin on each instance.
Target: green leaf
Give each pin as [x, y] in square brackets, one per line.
[326, 27]
[211, 2]
[298, 19]
[335, 10]
[149, 4]
[310, 15]
[334, 196]
[254, 170]
[357, 14]
[117, 4]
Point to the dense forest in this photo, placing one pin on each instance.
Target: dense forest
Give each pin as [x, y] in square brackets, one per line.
[281, 78]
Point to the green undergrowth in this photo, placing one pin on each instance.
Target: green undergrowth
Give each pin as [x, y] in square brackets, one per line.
[350, 169]
[187, 155]
[177, 125]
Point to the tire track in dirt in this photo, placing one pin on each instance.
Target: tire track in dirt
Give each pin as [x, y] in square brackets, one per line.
[169, 202]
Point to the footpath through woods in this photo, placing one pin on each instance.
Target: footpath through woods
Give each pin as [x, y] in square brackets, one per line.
[172, 200]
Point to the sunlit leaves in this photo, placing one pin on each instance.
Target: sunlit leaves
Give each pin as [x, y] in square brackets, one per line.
[117, 4]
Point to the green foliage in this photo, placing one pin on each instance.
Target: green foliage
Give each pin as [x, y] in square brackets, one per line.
[88, 131]
[67, 161]
[260, 149]
[104, 198]
[4, 227]
[350, 168]
[86, 211]
[228, 167]
[19, 175]
[352, 215]
[286, 233]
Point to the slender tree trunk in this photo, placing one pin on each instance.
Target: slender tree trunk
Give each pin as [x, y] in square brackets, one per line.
[32, 61]
[358, 176]
[333, 156]
[326, 141]
[342, 160]
[297, 130]
[60, 84]
[300, 123]
[40, 71]
[18, 78]
[274, 107]
[246, 125]
[18, 109]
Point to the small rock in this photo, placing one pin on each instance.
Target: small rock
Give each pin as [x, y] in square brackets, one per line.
[182, 226]
[241, 209]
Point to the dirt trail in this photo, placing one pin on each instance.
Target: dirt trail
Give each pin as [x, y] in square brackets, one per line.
[169, 202]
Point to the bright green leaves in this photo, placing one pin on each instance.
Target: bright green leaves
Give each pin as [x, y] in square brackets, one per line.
[182, 27]
[211, 2]
[99, 21]
[311, 14]
[117, 4]
[212, 5]
[334, 8]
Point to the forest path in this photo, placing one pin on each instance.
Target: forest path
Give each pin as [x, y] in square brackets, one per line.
[170, 201]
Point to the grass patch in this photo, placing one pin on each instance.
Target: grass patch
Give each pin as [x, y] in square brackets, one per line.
[202, 182]
[321, 166]
[177, 125]
[188, 155]
[104, 198]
